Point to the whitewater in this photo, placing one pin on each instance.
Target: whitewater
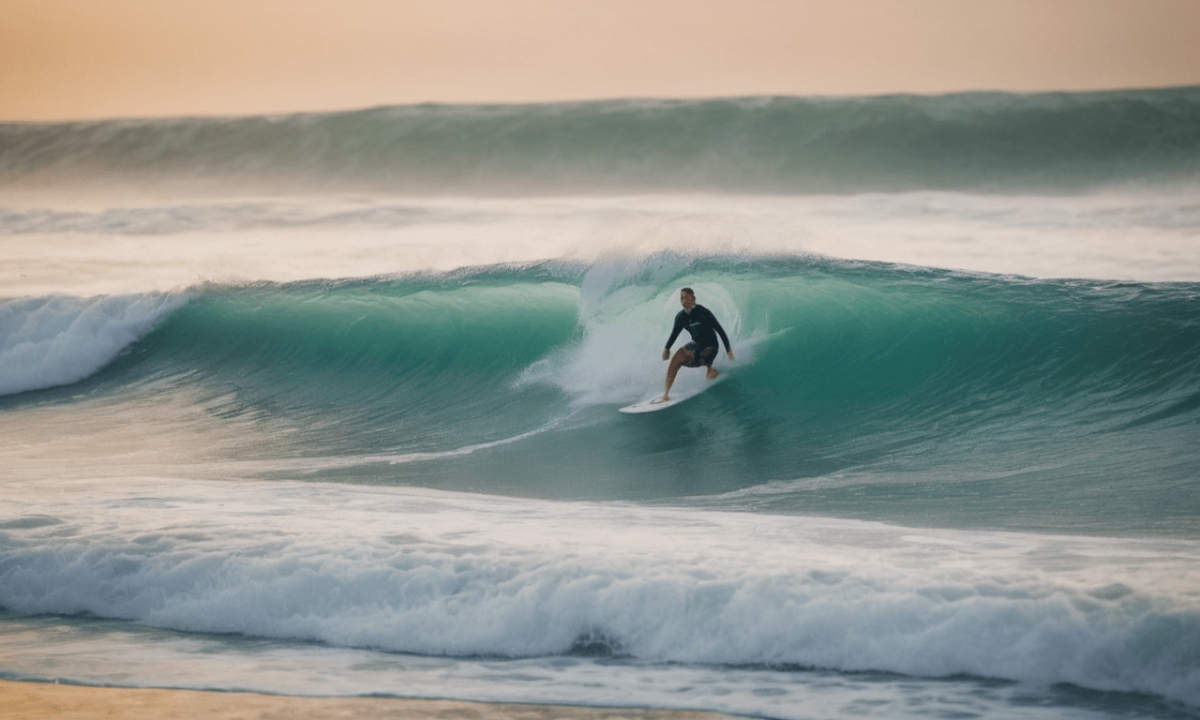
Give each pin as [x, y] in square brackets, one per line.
[326, 404]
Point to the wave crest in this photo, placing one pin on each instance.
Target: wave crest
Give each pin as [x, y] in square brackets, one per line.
[52, 341]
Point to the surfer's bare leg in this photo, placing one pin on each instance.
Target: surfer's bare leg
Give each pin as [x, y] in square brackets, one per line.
[712, 374]
[706, 356]
[683, 356]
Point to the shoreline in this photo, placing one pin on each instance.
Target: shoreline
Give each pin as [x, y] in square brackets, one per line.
[42, 700]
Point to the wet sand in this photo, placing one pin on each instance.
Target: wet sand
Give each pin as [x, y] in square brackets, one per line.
[34, 701]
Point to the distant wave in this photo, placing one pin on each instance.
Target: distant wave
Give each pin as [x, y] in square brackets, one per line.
[978, 141]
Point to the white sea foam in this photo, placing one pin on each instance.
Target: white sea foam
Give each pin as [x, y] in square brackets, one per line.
[624, 329]
[458, 575]
[53, 649]
[1134, 235]
[50, 341]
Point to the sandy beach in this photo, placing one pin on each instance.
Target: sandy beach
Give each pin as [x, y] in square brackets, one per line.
[31, 701]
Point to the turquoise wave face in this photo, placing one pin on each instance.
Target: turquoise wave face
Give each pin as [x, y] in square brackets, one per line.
[980, 142]
[865, 390]
[366, 367]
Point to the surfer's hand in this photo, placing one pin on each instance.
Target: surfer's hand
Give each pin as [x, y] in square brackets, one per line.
[666, 353]
[729, 354]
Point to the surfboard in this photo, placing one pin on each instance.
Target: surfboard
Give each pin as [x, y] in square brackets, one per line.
[655, 403]
[685, 388]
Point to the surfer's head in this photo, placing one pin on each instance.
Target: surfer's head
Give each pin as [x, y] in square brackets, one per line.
[687, 298]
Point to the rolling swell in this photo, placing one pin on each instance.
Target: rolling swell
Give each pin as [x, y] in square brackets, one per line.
[863, 390]
[980, 142]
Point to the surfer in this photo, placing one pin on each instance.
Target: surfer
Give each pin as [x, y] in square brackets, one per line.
[702, 325]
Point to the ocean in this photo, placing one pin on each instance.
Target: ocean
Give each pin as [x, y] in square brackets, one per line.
[327, 404]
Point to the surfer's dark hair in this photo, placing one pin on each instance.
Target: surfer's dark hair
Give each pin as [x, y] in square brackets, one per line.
[689, 291]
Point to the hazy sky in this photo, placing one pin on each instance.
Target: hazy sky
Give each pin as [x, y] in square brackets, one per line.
[71, 59]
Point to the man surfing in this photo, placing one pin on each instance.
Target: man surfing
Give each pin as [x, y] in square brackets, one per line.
[702, 325]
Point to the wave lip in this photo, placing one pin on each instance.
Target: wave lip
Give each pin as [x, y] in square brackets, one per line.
[50, 341]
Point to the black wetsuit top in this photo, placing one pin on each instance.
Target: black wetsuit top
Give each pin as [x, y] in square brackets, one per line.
[702, 325]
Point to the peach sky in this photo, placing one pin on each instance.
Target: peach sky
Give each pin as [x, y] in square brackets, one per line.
[77, 59]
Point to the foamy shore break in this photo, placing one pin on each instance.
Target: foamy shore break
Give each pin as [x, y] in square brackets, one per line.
[34, 701]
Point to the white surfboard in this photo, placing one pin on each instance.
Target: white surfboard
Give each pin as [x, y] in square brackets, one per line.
[678, 395]
[653, 404]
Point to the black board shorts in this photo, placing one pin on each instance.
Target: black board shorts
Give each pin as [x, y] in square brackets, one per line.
[701, 356]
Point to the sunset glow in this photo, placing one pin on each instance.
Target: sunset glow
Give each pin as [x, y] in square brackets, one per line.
[73, 59]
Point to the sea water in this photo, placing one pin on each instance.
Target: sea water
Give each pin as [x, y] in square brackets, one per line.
[327, 405]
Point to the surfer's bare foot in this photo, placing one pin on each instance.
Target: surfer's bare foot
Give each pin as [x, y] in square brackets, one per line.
[663, 399]
[712, 373]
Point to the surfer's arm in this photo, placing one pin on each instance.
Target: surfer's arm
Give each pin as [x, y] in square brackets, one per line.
[674, 332]
[721, 331]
